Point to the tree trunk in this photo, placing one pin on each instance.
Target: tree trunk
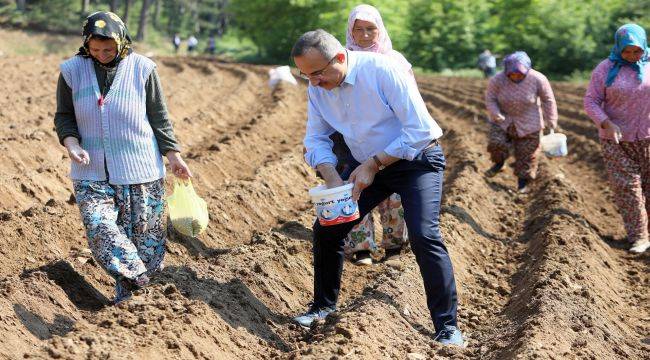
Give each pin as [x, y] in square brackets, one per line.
[142, 24]
[114, 5]
[20, 5]
[127, 7]
[195, 16]
[85, 4]
[222, 18]
[156, 13]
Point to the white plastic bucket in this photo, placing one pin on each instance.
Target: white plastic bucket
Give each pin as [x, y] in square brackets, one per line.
[335, 205]
[281, 73]
[554, 145]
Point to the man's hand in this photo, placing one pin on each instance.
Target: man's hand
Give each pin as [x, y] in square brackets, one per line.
[612, 130]
[178, 166]
[329, 174]
[75, 151]
[362, 177]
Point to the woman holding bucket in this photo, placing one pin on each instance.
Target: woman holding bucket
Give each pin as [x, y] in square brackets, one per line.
[366, 32]
[618, 101]
[516, 118]
[112, 118]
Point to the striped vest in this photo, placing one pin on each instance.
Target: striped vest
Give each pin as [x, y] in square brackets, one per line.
[116, 130]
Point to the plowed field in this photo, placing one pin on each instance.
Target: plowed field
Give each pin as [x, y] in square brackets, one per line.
[540, 275]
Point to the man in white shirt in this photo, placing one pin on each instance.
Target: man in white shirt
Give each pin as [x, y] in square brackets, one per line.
[384, 121]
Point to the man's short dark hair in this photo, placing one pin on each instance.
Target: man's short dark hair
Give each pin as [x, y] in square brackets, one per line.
[318, 39]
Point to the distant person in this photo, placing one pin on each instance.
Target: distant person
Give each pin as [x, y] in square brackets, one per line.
[177, 43]
[192, 43]
[116, 129]
[487, 63]
[212, 45]
[618, 101]
[376, 106]
[516, 116]
[366, 32]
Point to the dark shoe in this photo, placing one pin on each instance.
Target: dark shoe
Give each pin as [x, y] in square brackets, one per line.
[121, 293]
[450, 335]
[362, 258]
[125, 287]
[313, 314]
[495, 169]
[522, 185]
[392, 254]
[138, 283]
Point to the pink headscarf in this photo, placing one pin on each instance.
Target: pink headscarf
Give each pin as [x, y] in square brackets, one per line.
[368, 13]
[383, 44]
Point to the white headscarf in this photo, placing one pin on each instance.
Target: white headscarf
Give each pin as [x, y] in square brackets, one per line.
[383, 45]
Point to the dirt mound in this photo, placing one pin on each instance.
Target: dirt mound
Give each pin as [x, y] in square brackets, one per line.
[539, 275]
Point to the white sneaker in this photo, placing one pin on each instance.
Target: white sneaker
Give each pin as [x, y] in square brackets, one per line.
[305, 320]
[640, 246]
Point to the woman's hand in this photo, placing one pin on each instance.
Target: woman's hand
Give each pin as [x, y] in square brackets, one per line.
[75, 151]
[362, 177]
[612, 130]
[178, 166]
[499, 118]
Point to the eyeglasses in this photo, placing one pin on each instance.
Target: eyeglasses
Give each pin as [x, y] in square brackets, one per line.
[318, 72]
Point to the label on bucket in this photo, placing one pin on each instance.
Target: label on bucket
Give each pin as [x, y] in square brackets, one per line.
[336, 208]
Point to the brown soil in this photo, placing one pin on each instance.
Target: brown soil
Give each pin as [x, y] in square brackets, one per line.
[543, 275]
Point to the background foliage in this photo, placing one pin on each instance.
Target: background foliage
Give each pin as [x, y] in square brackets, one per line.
[563, 37]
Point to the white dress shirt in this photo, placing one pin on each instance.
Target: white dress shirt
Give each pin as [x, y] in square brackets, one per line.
[376, 108]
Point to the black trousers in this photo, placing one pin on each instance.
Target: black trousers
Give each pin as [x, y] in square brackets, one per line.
[419, 183]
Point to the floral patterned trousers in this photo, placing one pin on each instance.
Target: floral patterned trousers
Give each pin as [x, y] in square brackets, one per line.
[362, 236]
[628, 169]
[124, 226]
[526, 149]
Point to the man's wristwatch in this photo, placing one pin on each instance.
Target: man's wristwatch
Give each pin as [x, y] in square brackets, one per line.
[380, 166]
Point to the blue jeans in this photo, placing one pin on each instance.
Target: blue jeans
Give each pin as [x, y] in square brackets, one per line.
[419, 183]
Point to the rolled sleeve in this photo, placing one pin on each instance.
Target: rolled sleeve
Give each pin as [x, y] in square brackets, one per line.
[418, 127]
[401, 150]
[317, 142]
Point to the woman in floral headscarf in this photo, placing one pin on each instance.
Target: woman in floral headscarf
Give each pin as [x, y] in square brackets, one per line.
[517, 117]
[618, 101]
[112, 118]
[366, 32]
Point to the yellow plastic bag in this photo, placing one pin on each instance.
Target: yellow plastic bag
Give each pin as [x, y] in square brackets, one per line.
[187, 211]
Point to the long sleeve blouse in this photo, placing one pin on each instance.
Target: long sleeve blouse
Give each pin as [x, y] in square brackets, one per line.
[526, 104]
[626, 102]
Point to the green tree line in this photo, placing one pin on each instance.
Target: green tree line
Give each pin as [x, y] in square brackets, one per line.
[561, 36]
[166, 17]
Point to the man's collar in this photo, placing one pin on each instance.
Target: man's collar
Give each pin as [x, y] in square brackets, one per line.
[351, 74]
